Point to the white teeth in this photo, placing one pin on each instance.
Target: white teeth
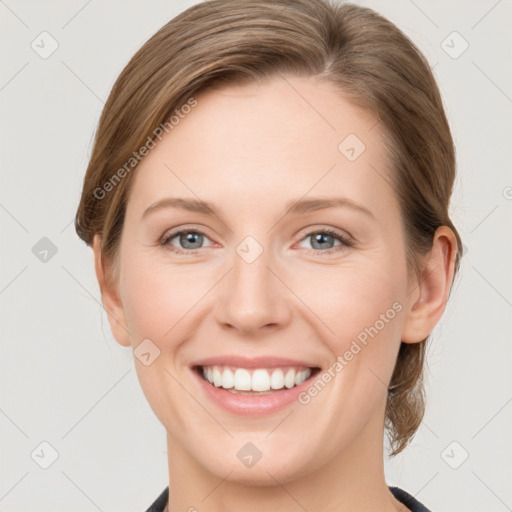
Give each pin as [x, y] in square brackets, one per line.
[301, 377]
[242, 380]
[228, 379]
[277, 379]
[289, 378]
[217, 377]
[259, 380]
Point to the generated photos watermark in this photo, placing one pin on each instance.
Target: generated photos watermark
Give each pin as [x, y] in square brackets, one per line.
[355, 348]
[179, 114]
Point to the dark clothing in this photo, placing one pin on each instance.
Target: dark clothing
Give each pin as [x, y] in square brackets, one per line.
[409, 501]
[403, 497]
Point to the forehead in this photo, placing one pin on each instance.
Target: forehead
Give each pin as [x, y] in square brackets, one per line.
[284, 136]
[281, 114]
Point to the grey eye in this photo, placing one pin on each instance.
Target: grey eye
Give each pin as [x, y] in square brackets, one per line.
[191, 240]
[319, 240]
[322, 241]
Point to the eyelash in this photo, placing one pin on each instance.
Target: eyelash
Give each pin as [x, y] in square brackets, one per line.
[345, 242]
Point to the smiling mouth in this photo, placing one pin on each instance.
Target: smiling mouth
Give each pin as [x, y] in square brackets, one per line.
[255, 381]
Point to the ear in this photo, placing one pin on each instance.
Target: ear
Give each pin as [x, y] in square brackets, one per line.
[110, 297]
[429, 297]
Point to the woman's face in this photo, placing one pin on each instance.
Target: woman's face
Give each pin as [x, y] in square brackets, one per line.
[299, 262]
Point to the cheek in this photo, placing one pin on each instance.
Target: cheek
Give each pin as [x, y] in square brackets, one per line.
[360, 306]
[163, 304]
[158, 298]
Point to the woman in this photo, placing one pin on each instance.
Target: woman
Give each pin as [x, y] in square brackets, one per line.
[239, 140]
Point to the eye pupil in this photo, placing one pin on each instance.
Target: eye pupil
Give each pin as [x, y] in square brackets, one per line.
[191, 238]
[322, 238]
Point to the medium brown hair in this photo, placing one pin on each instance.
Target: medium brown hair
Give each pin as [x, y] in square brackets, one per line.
[374, 65]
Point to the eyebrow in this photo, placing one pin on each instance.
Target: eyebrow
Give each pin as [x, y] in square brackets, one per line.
[192, 205]
[293, 207]
[320, 203]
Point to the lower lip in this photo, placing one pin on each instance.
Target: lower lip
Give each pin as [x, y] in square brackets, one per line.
[252, 404]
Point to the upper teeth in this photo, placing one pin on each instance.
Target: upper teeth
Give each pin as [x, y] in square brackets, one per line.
[261, 379]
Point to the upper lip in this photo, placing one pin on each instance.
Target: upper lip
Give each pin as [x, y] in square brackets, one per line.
[252, 362]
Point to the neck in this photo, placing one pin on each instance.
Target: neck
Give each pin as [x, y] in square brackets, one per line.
[352, 479]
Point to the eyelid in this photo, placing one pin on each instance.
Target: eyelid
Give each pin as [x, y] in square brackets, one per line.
[170, 234]
[343, 235]
[344, 238]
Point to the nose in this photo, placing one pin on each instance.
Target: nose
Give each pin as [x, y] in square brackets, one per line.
[252, 298]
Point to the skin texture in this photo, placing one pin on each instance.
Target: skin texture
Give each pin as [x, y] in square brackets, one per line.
[249, 150]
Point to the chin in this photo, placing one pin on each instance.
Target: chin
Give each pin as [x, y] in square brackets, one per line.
[269, 470]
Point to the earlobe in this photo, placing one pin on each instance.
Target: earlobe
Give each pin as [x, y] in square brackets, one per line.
[110, 297]
[430, 294]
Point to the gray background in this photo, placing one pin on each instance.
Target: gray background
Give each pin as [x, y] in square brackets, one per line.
[65, 380]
